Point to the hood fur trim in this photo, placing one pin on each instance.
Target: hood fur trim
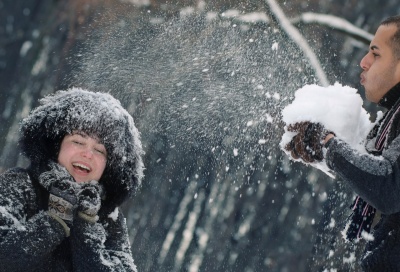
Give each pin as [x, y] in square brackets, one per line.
[97, 114]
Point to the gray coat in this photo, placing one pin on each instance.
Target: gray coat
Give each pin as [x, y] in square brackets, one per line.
[375, 177]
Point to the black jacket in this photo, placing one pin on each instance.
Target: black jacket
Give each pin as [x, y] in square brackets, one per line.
[31, 240]
[375, 177]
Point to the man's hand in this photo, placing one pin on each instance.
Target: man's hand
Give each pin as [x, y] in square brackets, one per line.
[307, 144]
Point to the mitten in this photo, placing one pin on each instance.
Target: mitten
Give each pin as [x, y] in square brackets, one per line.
[89, 201]
[307, 144]
[62, 197]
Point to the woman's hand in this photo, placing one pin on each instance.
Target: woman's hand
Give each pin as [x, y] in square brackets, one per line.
[89, 201]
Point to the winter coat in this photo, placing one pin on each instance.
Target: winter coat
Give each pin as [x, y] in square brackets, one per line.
[375, 177]
[30, 239]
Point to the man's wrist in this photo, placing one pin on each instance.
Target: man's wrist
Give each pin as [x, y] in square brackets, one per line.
[328, 137]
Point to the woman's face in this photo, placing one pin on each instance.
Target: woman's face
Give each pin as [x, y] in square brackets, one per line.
[83, 156]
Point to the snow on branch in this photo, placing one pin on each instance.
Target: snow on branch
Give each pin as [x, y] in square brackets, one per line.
[245, 18]
[335, 23]
[295, 35]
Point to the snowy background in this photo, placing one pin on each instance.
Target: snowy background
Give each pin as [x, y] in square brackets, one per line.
[206, 82]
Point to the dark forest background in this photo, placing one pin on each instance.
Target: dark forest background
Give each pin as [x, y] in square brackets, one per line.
[205, 85]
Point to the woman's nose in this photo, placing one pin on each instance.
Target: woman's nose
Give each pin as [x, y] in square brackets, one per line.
[88, 153]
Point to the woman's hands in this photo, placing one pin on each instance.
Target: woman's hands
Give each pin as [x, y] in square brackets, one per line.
[63, 200]
[68, 199]
[62, 193]
[89, 201]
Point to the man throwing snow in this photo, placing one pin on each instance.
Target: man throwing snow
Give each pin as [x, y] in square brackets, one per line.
[374, 177]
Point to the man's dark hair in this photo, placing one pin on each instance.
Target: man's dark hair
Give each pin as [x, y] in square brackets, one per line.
[395, 41]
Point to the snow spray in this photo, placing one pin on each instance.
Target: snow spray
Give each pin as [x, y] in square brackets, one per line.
[209, 82]
[206, 92]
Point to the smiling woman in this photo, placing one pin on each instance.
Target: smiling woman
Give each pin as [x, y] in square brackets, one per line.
[83, 156]
[62, 212]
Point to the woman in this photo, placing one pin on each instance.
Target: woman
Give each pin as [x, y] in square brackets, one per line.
[61, 214]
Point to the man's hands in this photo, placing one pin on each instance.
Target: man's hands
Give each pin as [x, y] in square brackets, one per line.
[307, 144]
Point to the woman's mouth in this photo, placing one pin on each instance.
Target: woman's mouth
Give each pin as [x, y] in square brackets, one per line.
[81, 167]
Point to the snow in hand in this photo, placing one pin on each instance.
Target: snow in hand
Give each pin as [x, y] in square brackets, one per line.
[338, 108]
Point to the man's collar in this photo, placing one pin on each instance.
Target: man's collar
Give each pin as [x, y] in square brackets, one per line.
[390, 98]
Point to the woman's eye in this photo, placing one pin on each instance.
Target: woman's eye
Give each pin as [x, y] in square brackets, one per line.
[100, 151]
[77, 142]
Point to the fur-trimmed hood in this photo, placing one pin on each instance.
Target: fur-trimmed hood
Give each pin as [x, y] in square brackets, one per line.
[97, 114]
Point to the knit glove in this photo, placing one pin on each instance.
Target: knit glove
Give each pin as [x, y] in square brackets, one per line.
[62, 198]
[308, 142]
[89, 201]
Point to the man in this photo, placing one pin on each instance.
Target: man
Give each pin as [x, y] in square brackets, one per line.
[374, 177]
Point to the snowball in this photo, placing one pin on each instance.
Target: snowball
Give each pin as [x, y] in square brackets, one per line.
[338, 108]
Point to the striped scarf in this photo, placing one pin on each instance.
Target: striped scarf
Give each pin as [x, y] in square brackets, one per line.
[361, 219]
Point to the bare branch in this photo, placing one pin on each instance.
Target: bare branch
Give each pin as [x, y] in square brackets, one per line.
[295, 35]
[335, 23]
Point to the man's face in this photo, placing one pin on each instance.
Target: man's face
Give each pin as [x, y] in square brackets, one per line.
[381, 69]
[83, 156]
